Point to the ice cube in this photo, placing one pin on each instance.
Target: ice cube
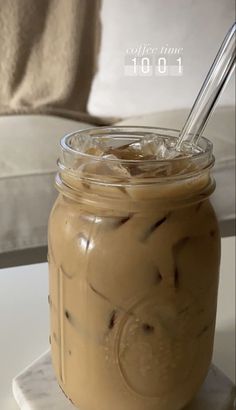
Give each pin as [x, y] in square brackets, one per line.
[88, 145]
[115, 168]
[159, 146]
[133, 158]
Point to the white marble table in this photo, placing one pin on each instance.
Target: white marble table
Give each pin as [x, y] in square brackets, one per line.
[36, 389]
[24, 320]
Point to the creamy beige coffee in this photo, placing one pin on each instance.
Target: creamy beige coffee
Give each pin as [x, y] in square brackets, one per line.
[134, 259]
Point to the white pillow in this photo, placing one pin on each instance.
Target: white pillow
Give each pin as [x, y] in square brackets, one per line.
[196, 26]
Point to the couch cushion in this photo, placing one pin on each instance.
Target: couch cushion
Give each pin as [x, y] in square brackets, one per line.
[221, 131]
[28, 154]
[128, 26]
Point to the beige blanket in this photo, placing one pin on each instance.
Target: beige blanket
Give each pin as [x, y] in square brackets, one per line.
[48, 56]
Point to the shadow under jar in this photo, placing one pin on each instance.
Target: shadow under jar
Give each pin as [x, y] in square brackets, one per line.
[134, 253]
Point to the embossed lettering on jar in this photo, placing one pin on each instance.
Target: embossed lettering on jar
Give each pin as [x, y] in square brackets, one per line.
[134, 254]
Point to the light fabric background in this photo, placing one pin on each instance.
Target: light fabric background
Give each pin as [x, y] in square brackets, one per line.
[48, 56]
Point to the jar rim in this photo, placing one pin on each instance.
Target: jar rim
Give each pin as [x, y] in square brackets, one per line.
[205, 145]
[107, 170]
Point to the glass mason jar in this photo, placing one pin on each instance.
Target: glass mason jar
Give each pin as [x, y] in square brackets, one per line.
[134, 253]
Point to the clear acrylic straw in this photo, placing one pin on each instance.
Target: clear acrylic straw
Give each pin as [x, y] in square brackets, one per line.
[212, 87]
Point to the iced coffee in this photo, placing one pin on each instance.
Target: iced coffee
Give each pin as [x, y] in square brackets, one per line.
[134, 255]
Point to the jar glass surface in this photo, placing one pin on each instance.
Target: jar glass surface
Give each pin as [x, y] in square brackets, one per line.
[134, 253]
